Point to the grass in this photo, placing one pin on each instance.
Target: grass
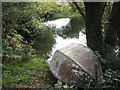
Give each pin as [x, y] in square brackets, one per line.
[24, 74]
[62, 15]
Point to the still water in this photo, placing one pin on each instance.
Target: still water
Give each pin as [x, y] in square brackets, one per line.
[67, 31]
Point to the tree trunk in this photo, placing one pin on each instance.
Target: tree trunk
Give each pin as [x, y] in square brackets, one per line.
[118, 41]
[94, 12]
[111, 34]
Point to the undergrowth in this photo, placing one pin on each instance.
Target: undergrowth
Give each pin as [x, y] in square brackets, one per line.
[110, 67]
[23, 74]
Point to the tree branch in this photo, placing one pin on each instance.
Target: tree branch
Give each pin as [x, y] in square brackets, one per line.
[103, 8]
[80, 10]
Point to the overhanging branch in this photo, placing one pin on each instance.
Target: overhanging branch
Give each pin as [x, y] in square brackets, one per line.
[80, 10]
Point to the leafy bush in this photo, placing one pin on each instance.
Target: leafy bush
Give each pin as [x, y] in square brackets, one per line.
[15, 44]
[110, 79]
[43, 42]
[112, 59]
[14, 48]
[59, 84]
[109, 60]
[46, 9]
[22, 31]
[110, 67]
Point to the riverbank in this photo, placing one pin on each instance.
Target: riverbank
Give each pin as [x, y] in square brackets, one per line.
[29, 74]
[62, 15]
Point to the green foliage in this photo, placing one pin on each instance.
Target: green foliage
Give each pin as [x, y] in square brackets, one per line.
[61, 15]
[110, 67]
[59, 84]
[111, 58]
[9, 80]
[72, 29]
[21, 74]
[16, 16]
[43, 42]
[46, 9]
[23, 34]
[102, 60]
[110, 79]
[14, 48]
[107, 11]
[65, 10]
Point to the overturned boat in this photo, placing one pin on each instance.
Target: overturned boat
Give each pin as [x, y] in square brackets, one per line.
[76, 65]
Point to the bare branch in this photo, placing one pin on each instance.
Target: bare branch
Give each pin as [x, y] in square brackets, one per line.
[80, 10]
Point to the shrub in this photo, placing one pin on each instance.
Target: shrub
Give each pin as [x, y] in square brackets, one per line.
[22, 34]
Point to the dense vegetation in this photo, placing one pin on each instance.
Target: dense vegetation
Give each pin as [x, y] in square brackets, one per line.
[27, 43]
[23, 41]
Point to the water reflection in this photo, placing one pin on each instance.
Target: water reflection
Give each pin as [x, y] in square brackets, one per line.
[44, 41]
[67, 31]
[58, 23]
[61, 42]
[72, 29]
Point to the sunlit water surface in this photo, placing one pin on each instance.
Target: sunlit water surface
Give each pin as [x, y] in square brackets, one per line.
[60, 41]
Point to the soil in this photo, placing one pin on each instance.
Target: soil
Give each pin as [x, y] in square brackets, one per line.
[49, 78]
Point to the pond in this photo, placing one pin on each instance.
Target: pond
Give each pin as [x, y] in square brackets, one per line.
[67, 31]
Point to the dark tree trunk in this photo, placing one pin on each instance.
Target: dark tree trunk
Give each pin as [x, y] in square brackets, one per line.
[113, 28]
[94, 12]
[118, 41]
